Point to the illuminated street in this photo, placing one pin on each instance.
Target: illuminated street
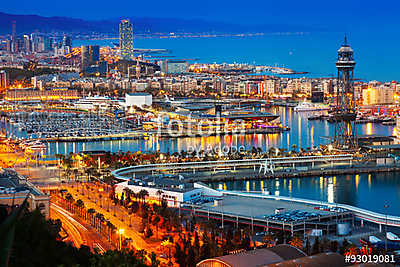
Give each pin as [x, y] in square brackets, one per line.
[79, 233]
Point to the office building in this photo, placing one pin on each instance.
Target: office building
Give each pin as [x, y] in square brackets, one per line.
[4, 81]
[90, 55]
[126, 39]
[174, 66]
[27, 44]
[379, 95]
[67, 41]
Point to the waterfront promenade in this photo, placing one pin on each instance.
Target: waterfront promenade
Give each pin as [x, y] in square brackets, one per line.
[195, 169]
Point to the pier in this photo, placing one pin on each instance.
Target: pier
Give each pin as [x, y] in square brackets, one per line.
[123, 136]
[234, 208]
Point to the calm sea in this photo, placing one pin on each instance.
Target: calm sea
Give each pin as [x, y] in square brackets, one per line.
[377, 57]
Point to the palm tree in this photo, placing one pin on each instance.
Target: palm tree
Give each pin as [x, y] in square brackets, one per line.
[91, 213]
[159, 193]
[69, 199]
[79, 203]
[111, 227]
[99, 220]
[156, 220]
[128, 194]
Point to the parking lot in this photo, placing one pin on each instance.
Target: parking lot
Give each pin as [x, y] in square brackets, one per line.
[277, 210]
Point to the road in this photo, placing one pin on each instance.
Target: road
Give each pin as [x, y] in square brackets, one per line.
[80, 233]
[120, 220]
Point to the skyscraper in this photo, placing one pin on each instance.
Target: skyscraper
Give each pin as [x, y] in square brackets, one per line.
[27, 44]
[90, 55]
[126, 39]
[3, 79]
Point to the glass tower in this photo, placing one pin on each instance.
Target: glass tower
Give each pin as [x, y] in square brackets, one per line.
[126, 39]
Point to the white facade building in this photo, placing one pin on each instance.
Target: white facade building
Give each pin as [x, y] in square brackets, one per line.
[138, 100]
[172, 191]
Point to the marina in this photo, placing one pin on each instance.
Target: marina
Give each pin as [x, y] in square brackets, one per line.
[63, 126]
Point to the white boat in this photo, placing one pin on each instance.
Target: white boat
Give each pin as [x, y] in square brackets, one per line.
[374, 239]
[392, 237]
[307, 106]
[93, 102]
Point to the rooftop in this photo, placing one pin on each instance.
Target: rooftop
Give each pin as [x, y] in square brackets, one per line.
[12, 183]
[258, 257]
[164, 181]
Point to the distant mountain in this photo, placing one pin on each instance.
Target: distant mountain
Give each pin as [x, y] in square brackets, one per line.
[32, 23]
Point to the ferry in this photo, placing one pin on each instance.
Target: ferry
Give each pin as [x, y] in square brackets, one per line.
[392, 237]
[94, 102]
[33, 145]
[307, 106]
[370, 241]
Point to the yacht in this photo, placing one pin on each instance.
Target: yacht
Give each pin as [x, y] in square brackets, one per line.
[93, 102]
[307, 106]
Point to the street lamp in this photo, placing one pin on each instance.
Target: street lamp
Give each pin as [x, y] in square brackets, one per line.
[386, 206]
[121, 232]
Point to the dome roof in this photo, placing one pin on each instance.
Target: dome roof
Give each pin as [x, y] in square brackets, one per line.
[345, 48]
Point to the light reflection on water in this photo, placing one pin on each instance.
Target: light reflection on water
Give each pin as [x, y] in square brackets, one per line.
[365, 191]
[368, 191]
[303, 134]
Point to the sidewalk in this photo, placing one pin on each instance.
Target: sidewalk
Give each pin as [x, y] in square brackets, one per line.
[120, 220]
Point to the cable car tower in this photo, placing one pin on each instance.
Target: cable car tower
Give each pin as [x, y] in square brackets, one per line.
[345, 137]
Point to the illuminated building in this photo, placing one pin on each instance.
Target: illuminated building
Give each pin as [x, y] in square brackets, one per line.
[90, 55]
[15, 188]
[4, 82]
[169, 188]
[258, 257]
[27, 44]
[31, 95]
[174, 66]
[378, 96]
[126, 39]
[67, 41]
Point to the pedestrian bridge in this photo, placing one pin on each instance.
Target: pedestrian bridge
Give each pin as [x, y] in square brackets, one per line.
[266, 165]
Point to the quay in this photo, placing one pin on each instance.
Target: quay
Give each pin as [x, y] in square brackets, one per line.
[124, 136]
[196, 133]
[271, 168]
[254, 210]
[257, 209]
[231, 176]
[256, 164]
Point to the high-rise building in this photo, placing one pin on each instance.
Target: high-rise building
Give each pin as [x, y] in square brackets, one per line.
[67, 41]
[9, 44]
[47, 43]
[90, 55]
[67, 44]
[126, 39]
[4, 82]
[27, 44]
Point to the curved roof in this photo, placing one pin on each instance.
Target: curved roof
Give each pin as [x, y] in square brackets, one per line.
[258, 257]
[329, 259]
[345, 49]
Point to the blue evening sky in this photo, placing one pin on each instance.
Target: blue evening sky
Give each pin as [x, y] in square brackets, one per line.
[353, 13]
